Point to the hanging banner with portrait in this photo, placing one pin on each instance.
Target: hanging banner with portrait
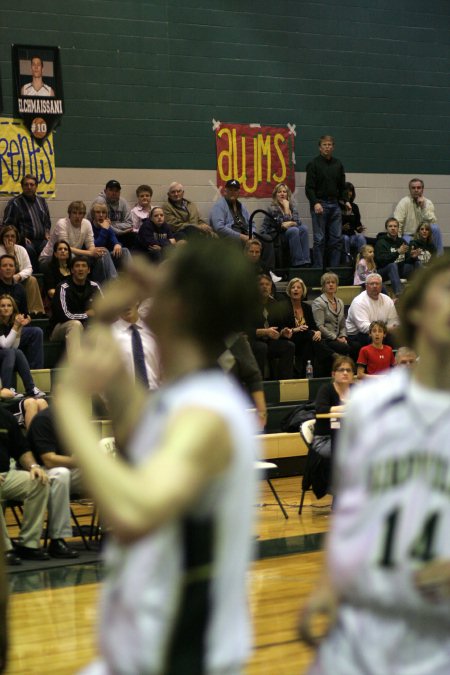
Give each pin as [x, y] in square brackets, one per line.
[259, 157]
[38, 92]
[21, 154]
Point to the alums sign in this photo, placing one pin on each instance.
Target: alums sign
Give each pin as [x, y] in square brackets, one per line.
[259, 157]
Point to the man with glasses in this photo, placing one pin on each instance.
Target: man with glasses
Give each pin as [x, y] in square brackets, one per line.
[30, 215]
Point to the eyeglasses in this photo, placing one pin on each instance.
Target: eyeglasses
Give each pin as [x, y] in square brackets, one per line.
[344, 370]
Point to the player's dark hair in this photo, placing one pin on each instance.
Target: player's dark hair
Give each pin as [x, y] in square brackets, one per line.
[217, 287]
[413, 295]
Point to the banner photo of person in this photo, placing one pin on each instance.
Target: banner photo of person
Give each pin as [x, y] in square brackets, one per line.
[21, 154]
[38, 92]
[257, 156]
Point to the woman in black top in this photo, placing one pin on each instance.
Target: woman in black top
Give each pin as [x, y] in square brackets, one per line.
[58, 267]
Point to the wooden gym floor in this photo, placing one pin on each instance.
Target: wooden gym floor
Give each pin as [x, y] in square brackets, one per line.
[53, 613]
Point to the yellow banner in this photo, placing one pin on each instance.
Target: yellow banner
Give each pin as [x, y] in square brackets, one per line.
[20, 154]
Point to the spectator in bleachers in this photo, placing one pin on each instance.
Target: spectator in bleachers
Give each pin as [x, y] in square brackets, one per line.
[119, 213]
[269, 342]
[12, 359]
[30, 215]
[393, 256]
[155, 236]
[24, 270]
[370, 305]
[405, 356]
[183, 215]
[365, 264]
[352, 227]
[141, 210]
[77, 230]
[375, 357]
[253, 250]
[328, 312]
[28, 484]
[65, 479]
[72, 305]
[32, 337]
[415, 209]
[105, 237]
[58, 268]
[229, 217]
[302, 329]
[285, 220]
[423, 242]
[325, 190]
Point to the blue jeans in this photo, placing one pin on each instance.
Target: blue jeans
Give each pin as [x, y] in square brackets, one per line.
[353, 242]
[327, 234]
[298, 240]
[103, 268]
[393, 272]
[32, 345]
[11, 361]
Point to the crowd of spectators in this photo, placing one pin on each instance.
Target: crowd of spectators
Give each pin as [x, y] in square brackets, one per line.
[108, 232]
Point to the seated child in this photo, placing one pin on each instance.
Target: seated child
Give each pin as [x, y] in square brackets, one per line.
[141, 211]
[365, 264]
[376, 357]
[155, 235]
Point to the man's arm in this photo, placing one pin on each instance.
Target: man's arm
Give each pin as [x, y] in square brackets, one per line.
[310, 185]
[221, 222]
[50, 460]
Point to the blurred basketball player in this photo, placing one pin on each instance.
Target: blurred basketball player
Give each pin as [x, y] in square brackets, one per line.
[386, 586]
[180, 505]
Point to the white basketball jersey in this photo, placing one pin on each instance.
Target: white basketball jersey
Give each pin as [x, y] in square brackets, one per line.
[147, 579]
[392, 516]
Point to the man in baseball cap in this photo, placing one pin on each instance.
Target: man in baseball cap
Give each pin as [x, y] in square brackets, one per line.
[119, 212]
[229, 217]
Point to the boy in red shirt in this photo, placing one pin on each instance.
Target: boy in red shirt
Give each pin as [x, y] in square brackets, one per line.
[376, 357]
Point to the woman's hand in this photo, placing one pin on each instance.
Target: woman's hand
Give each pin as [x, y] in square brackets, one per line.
[287, 333]
[316, 336]
[284, 204]
[117, 251]
[17, 278]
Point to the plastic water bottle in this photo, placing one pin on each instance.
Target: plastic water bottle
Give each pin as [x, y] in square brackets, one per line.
[309, 370]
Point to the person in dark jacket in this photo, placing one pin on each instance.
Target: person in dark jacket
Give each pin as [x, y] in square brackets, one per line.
[72, 305]
[325, 187]
[423, 241]
[104, 235]
[154, 235]
[352, 227]
[394, 258]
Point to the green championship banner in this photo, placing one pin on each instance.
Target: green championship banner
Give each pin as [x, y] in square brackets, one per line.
[21, 154]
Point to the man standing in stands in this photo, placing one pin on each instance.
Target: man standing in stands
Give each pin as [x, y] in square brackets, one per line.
[325, 187]
[183, 215]
[30, 215]
[31, 337]
[229, 217]
[415, 209]
[119, 213]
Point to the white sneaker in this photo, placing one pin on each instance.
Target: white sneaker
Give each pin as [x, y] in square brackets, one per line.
[16, 395]
[37, 393]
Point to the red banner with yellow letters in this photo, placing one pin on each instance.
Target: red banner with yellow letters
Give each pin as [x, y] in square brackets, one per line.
[259, 157]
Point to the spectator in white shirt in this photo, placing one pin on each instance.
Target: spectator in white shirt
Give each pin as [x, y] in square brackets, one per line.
[415, 209]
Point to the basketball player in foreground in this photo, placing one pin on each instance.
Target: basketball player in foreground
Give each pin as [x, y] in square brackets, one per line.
[180, 502]
[386, 587]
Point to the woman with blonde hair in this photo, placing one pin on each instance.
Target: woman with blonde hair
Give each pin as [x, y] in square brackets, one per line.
[12, 359]
[328, 312]
[283, 218]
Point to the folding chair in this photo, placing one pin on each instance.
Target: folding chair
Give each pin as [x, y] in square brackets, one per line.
[266, 467]
[307, 433]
